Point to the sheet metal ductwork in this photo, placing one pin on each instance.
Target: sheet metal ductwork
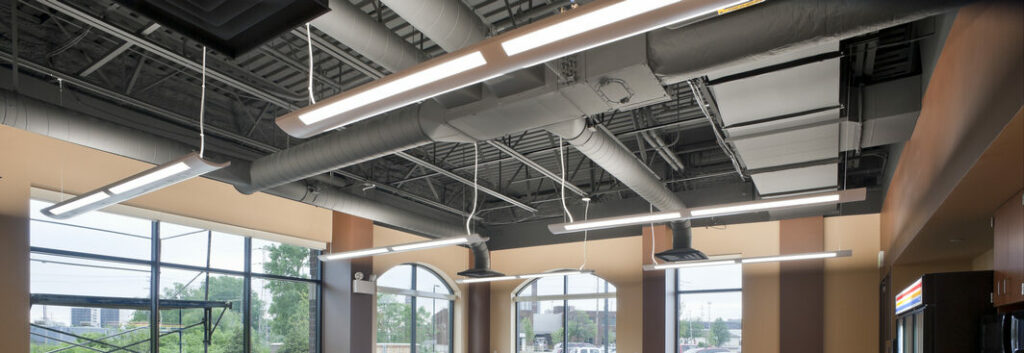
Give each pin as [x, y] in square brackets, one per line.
[399, 130]
[603, 79]
[448, 23]
[606, 151]
[353, 28]
[773, 28]
[29, 114]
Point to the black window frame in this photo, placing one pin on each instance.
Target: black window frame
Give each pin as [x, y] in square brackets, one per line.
[412, 295]
[565, 297]
[155, 264]
[674, 278]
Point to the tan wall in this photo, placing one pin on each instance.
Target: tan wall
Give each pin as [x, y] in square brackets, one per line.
[83, 169]
[29, 160]
[851, 302]
[615, 260]
[447, 260]
[851, 285]
[983, 262]
[760, 281]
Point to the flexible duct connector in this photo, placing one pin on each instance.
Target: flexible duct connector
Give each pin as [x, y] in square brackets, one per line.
[682, 235]
[617, 160]
[776, 27]
[353, 28]
[448, 23]
[377, 137]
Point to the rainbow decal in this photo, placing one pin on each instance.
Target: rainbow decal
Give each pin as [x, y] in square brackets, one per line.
[909, 298]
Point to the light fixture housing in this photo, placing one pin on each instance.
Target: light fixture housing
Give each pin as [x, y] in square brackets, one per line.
[605, 20]
[422, 245]
[721, 260]
[158, 177]
[558, 273]
[795, 201]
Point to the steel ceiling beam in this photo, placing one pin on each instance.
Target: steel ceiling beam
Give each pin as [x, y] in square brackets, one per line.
[537, 167]
[460, 179]
[404, 193]
[342, 56]
[682, 125]
[165, 53]
[117, 51]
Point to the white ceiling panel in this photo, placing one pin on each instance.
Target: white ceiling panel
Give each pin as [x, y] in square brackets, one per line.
[775, 58]
[831, 115]
[797, 179]
[796, 146]
[793, 90]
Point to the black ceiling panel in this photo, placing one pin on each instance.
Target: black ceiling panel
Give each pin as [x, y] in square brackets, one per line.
[231, 27]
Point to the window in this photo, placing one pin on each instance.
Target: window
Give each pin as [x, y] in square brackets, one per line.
[415, 311]
[709, 307]
[203, 281]
[578, 309]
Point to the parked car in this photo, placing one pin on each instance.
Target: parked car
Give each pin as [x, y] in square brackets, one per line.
[685, 347]
[585, 350]
[573, 346]
[708, 350]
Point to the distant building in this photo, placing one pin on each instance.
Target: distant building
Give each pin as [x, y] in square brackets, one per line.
[82, 317]
[110, 317]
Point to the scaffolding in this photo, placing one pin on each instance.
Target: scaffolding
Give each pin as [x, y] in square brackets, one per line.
[207, 321]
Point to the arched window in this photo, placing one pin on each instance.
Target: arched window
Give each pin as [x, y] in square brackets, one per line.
[415, 311]
[578, 309]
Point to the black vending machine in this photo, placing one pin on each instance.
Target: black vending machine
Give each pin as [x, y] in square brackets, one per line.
[943, 312]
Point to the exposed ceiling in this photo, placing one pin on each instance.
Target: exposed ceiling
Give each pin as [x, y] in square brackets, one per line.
[774, 127]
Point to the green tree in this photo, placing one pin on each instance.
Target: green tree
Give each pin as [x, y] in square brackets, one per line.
[691, 329]
[527, 326]
[581, 329]
[719, 334]
[393, 318]
[289, 307]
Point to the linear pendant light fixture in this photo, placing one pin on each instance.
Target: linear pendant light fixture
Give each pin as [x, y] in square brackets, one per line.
[588, 26]
[834, 197]
[734, 259]
[524, 276]
[153, 179]
[429, 244]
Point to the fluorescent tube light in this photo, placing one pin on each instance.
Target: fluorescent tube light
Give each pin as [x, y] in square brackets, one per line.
[717, 261]
[353, 254]
[834, 197]
[796, 257]
[79, 202]
[524, 276]
[429, 244]
[589, 26]
[608, 223]
[149, 178]
[804, 201]
[417, 79]
[579, 24]
[161, 176]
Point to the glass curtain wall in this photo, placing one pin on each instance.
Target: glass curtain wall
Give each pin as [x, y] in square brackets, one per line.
[92, 280]
[709, 308]
[415, 311]
[570, 314]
